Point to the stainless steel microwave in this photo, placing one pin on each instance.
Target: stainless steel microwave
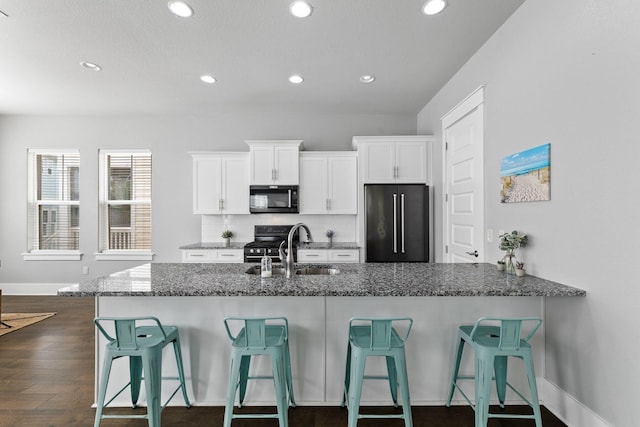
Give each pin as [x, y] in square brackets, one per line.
[273, 199]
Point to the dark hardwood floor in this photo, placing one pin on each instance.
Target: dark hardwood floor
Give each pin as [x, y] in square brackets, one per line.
[47, 372]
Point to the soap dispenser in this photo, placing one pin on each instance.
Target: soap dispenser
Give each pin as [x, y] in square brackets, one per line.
[265, 266]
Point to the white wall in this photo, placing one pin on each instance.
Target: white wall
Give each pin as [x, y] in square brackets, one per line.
[169, 138]
[567, 73]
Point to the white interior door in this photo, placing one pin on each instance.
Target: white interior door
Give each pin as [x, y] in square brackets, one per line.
[463, 131]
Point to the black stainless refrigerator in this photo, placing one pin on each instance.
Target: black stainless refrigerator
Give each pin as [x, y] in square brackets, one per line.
[397, 222]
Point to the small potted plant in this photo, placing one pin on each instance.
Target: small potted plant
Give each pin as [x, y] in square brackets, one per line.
[500, 265]
[520, 271]
[509, 242]
[226, 237]
[330, 234]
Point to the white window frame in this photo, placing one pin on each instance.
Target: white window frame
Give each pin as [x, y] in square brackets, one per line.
[37, 254]
[104, 253]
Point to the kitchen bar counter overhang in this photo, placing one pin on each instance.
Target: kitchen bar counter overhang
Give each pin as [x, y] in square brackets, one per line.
[369, 279]
[439, 297]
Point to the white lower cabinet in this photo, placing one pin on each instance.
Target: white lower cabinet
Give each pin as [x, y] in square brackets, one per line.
[307, 256]
[344, 255]
[213, 255]
[313, 256]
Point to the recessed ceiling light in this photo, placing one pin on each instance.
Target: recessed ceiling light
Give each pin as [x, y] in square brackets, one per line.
[180, 8]
[367, 78]
[90, 66]
[296, 79]
[300, 9]
[431, 7]
[208, 79]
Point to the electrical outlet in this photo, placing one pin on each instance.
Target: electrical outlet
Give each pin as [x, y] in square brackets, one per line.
[490, 235]
[85, 270]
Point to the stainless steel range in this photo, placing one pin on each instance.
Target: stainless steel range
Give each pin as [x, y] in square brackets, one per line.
[267, 238]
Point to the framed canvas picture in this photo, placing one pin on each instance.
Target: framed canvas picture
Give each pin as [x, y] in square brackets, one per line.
[526, 176]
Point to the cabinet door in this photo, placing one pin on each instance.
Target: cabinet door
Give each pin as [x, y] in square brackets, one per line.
[285, 165]
[411, 161]
[344, 255]
[262, 166]
[313, 185]
[230, 255]
[206, 185]
[199, 255]
[235, 189]
[311, 256]
[342, 179]
[379, 163]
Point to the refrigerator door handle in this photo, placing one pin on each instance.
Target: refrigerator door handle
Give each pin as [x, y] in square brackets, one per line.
[395, 223]
[402, 221]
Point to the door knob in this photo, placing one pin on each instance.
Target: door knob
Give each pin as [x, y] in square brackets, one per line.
[474, 253]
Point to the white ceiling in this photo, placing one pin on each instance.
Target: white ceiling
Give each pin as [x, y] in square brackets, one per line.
[152, 60]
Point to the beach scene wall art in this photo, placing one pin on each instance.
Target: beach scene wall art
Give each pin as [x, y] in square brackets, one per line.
[526, 176]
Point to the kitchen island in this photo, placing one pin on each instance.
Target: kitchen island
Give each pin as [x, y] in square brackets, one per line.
[196, 297]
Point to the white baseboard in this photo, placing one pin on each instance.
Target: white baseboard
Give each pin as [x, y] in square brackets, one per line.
[566, 407]
[32, 288]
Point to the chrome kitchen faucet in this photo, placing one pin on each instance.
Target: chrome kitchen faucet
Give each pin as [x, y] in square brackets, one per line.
[287, 261]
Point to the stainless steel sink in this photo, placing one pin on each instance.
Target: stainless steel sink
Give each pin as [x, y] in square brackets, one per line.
[276, 271]
[305, 271]
[318, 271]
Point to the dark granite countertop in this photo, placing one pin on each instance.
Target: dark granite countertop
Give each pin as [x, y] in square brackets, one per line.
[370, 279]
[325, 245]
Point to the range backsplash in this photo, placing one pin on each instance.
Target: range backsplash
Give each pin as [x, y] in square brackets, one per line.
[344, 226]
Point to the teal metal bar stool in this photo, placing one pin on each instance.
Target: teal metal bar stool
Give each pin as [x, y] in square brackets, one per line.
[260, 336]
[492, 346]
[142, 340]
[376, 337]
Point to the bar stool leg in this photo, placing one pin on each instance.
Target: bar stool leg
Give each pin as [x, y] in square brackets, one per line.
[347, 377]
[500, 368]
[456, 369]
[292, 398]
[178, 354]
[245, 363]
[280, 385]
[102, 393]
[152, 366]
[393, 379]
[135, 375]
[401, 366]
[232, 387]
[355, 392]
[484, 372]
[531, 376]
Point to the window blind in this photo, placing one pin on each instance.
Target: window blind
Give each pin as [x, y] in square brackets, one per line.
[126, 201]
[54, 201]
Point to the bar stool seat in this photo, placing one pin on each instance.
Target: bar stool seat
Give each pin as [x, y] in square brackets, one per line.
[142, 340]
[376, 337]
[492, 346]
[260, 336]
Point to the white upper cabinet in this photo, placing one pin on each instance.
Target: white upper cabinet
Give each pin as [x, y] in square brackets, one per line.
[394, 159]
[220, 183]
[274, 162]
[328, 183]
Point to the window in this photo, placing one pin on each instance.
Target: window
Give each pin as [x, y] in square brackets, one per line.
[53, 205]
[125, 205]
